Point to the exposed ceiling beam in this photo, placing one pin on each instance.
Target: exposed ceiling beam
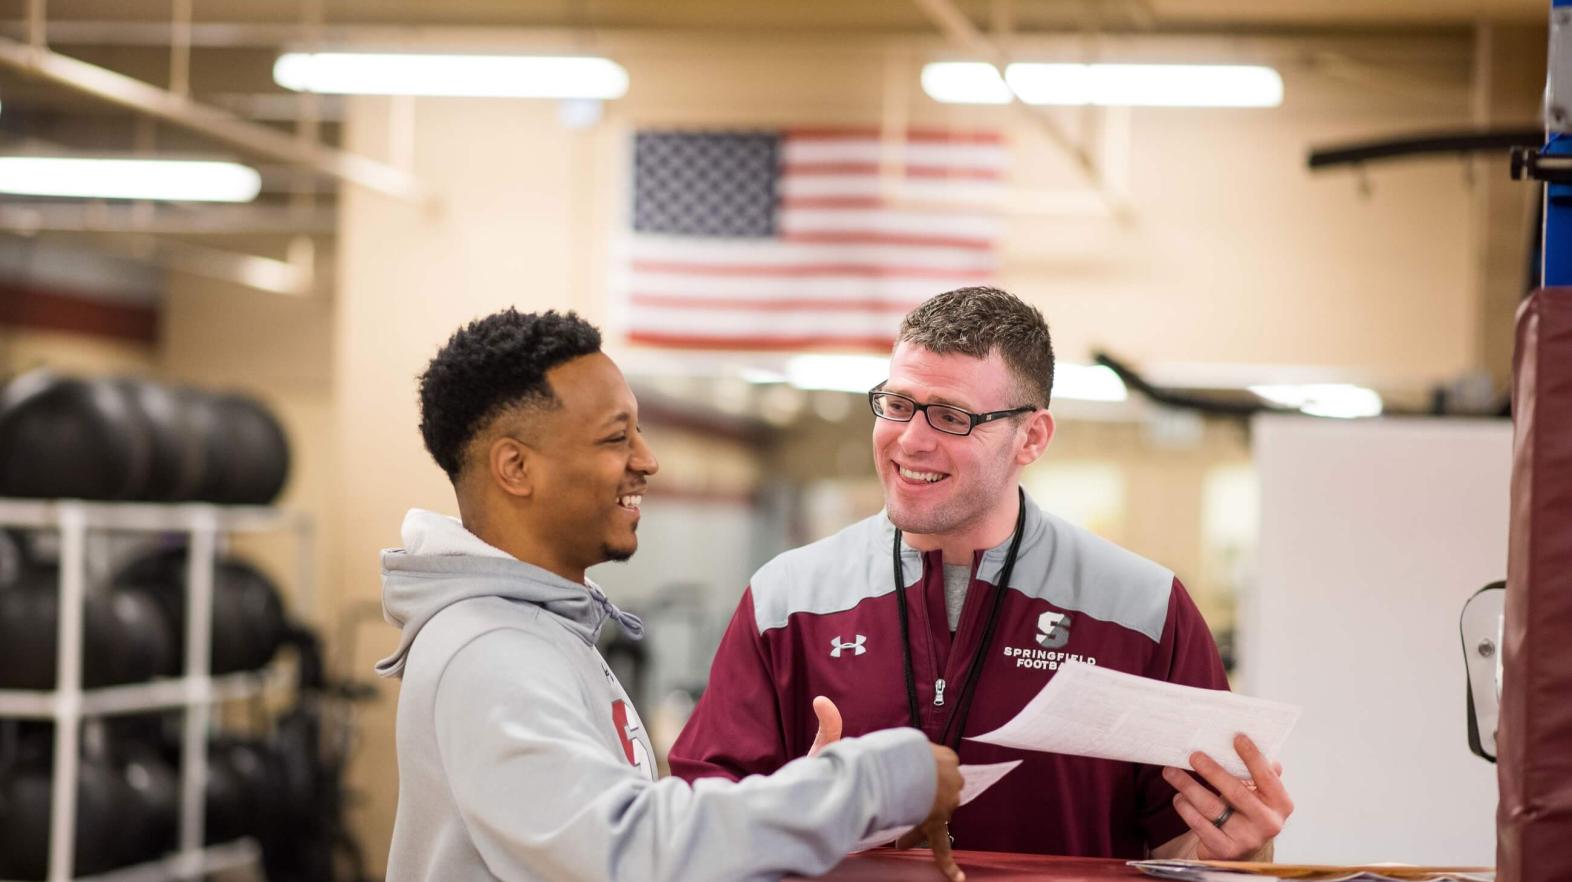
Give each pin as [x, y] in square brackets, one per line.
[212, 220]
[280, 106]
[960, 30]
[295, 277]
[212, 35]
[220, 125]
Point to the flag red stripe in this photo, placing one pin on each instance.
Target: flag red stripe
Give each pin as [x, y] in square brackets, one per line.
[873, 168]
[832, 237]
[777, 304]
[919, 136]
[757, 343]
[804, 270]
[938, 203]
[832, 202]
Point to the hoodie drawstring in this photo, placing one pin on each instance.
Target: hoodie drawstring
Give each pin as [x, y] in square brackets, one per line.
[630, 624]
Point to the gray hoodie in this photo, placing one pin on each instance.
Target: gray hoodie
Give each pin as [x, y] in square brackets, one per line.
[521, 758]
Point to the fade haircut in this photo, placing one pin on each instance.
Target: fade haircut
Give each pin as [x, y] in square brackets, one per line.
[977, 321]
[490, 366]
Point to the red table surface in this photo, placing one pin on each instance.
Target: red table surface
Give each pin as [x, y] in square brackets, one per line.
[916, 865]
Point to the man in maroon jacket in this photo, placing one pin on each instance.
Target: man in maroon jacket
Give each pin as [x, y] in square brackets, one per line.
[951, 608]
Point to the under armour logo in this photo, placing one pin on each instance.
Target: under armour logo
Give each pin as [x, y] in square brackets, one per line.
[1053, 630]
[856, 646]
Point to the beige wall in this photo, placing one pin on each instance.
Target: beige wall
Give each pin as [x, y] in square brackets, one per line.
[22, 349]
[1161, 512]
[1509, 76]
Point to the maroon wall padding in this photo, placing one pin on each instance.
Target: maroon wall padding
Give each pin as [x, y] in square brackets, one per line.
[1534, 740]
[24, 305]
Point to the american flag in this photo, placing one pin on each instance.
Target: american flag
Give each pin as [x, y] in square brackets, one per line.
[796, 239]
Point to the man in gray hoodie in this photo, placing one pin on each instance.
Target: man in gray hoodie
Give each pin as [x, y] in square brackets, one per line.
[520, 756]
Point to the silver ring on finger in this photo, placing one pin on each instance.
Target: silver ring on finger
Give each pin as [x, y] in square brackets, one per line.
[1221, 819]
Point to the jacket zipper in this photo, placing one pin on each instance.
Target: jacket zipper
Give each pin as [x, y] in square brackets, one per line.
[933, 649]
[955, 639]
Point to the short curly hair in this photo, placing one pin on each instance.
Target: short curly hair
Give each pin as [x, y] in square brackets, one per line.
[489, 366]
[976, 321]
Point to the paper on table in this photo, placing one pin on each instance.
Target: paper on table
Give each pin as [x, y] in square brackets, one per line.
[974, 780]
[1090, 711]
[1193, 871]
[1217, 871]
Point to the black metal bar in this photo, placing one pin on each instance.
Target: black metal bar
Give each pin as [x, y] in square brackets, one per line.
[1422, 144]
[1187, 401]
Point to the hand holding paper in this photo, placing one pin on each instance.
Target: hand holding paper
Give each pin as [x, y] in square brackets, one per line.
[1230, 818]
[1090, 711]
[976, 780]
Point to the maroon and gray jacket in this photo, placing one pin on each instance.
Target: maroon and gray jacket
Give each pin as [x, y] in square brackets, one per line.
[823, 620]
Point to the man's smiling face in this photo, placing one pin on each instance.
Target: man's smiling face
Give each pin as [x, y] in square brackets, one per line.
[593, 464]
[936, 483]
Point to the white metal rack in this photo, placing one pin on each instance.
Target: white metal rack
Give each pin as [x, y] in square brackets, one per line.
[196, 692]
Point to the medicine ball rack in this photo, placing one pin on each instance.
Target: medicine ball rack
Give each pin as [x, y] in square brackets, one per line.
[195, 693]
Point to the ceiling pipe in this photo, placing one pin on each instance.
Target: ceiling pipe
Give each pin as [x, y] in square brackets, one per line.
[295, 277]
[219, 125]
[28, 218]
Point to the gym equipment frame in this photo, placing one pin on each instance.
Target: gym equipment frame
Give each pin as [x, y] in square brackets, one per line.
[195, 693]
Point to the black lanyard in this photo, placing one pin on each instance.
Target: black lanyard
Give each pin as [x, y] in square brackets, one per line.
[957, 721]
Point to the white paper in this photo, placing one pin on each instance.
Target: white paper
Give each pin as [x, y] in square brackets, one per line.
[1194, 871]
[1090, 711]
[978, 778]
[974, 780]
[1204, 871]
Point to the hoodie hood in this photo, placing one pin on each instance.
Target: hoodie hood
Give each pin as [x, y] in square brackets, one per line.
[442, 563]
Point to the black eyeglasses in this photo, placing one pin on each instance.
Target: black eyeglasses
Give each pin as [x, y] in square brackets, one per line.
[950, 420]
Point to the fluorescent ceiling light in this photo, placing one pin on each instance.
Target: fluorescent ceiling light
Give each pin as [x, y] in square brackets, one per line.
[483, 76]
[761, 376]
[1109, 85]
[1339, 400]
[859, 373]
[163, 179]
[1085, 382]
[1147, 85]
[965, 82]
[839, 373]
